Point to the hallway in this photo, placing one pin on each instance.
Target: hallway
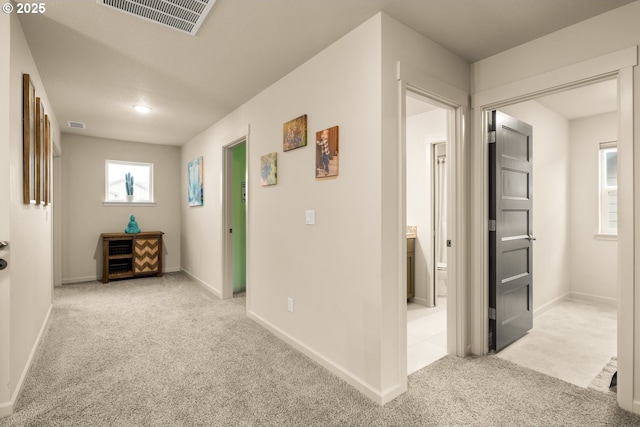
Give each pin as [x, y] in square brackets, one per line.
[163, 351]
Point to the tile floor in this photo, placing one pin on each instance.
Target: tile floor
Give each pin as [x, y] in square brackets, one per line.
[426, 334]
[572, 341]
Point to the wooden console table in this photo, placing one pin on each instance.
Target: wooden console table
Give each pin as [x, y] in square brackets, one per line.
[131, 255]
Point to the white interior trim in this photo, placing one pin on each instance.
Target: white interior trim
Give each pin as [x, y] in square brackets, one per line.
[601, 236]
[379, 396]
[556, 79]
[72, 280]
[571, 295]
[455, 101]
[438, 90]
[239, 137]
[627, 254]
[618, 63]
[202, 283]
[548, 306]
[593, 298]
[125, 203]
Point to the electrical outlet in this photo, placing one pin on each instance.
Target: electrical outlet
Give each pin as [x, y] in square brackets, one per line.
[290, 305]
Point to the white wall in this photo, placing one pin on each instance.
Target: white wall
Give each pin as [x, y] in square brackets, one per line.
[31, 271]
[346, 311]
[85, 216]
[593, 261]
[551, 274]
[422, 130]
[328, 269]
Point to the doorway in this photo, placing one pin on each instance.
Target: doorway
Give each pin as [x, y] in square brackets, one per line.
[616, 64]
[427, 132]
[575, 267]
[235, 214]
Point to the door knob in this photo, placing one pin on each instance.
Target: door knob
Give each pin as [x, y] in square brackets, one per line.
[530, 237]
[3, 244]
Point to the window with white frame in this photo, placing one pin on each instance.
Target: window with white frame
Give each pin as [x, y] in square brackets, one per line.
[128, 182]
[609, 188]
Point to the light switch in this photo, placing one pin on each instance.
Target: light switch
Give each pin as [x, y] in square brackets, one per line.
[310, 217]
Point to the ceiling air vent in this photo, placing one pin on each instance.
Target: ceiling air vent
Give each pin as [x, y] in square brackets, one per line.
[76, 125]
[182, 15]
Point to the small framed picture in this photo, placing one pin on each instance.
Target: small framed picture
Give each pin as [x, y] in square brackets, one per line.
[327, 153]
[294, 133]
[268, 169]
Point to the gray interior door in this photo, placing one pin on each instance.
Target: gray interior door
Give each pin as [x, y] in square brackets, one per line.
[510, 230]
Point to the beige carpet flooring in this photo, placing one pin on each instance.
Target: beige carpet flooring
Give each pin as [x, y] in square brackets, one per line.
[164, 352]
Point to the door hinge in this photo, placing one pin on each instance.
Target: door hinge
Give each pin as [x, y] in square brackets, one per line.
[492, 137]
[492, 313]
[492, 225]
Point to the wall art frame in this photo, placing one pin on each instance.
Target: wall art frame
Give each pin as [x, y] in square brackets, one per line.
[327, 149]
[269, 169]
[28, 140]
[195, 177]
[39, 157]
[294, 133]
[47, 160]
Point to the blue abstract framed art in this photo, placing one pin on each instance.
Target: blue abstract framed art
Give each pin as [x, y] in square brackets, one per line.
[194, 172]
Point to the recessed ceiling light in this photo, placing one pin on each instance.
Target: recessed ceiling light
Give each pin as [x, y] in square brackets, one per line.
[142, 109]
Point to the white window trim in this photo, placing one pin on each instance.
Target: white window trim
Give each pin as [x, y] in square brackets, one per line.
[604, 232]
[111, 203]
[604, 236]
[125, 203]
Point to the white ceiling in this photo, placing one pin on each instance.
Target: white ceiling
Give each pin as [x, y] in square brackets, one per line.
[586, 101]
[97, 62]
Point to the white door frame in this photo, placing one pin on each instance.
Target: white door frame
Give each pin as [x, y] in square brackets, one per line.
[614, 65]
[455, 101]
[227, 214]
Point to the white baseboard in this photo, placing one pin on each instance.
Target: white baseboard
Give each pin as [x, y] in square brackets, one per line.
[204, 284]
[576, 296]
[378, 396]
[421, 301]
[549, 305]
[72, 280]
[593, 298]
[6, 408]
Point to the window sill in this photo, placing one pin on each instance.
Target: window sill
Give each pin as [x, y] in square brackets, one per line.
[611, 237]
[125, 203]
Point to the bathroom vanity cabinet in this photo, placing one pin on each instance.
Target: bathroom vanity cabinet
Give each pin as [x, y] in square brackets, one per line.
[411, 274]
